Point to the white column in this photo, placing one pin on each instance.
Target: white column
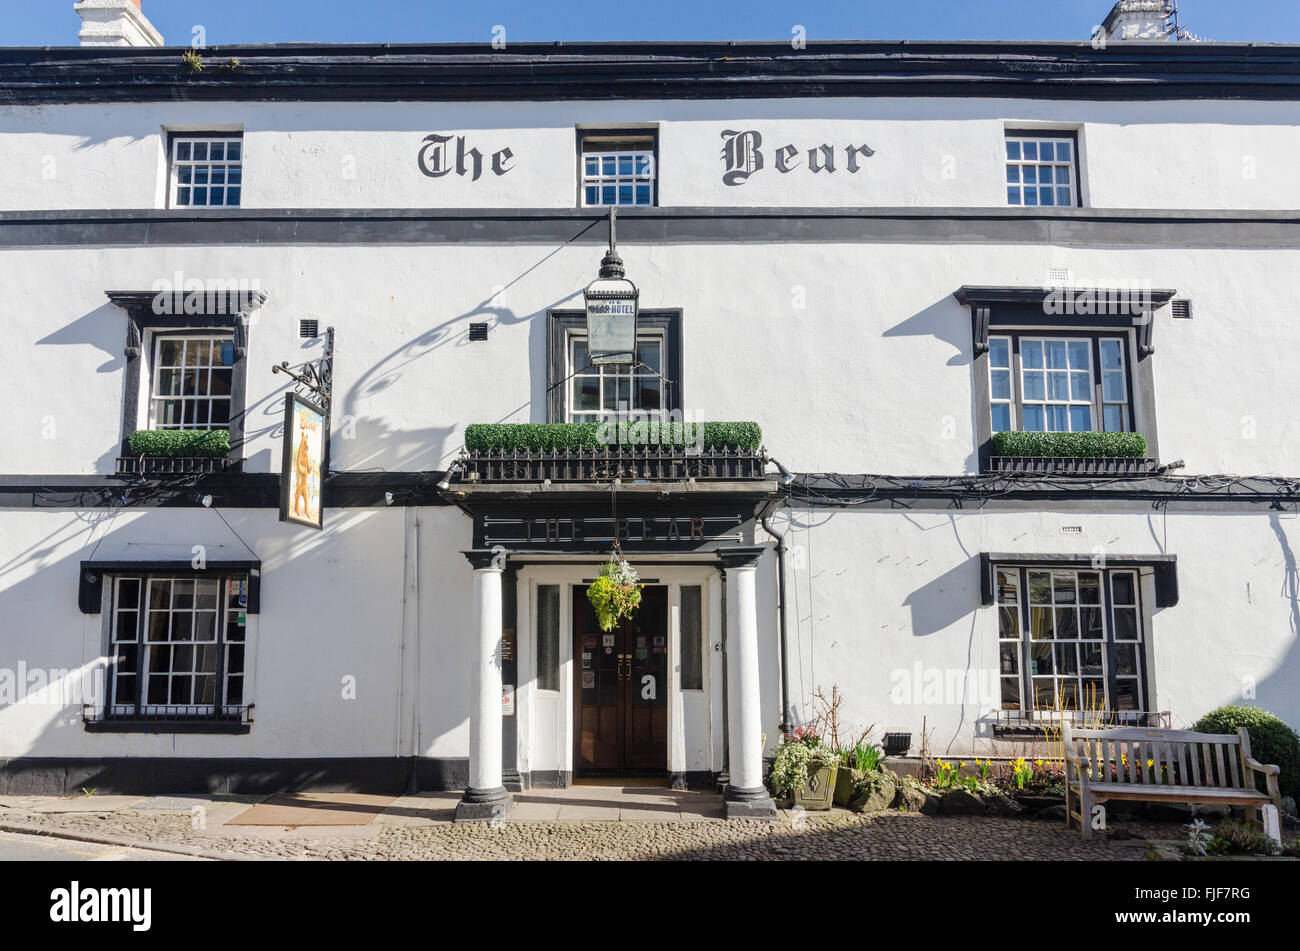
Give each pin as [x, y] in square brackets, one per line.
[485, 797]
[746, 795]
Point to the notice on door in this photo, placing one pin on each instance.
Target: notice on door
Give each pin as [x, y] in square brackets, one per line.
[507, 700]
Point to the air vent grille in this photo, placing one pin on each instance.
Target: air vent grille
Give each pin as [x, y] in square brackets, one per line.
[308, 328]
[1182, 308]
[478, 331]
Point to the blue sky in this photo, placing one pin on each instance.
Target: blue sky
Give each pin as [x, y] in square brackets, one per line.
[54, 23]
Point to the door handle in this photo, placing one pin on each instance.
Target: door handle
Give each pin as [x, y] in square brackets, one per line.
[623, 674]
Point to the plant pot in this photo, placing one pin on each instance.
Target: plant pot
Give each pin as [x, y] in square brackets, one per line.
[817, 794]
[846, 784]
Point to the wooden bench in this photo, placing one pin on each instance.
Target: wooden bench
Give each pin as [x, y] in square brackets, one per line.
[1138, 764]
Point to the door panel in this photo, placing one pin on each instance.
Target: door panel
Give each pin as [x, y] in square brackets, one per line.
[620, 697]
[646, 685]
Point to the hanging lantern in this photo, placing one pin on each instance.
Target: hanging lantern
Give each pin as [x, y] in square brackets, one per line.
[611, 302]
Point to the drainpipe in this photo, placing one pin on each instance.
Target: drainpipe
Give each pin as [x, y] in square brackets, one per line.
[765, 521]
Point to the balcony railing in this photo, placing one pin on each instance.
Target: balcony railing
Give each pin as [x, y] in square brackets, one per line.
[1041, 722]
[1071, 466]
[600, 465]
[176, 465]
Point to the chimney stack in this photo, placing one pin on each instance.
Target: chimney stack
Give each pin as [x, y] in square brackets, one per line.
[1138, 20]
[115, 23]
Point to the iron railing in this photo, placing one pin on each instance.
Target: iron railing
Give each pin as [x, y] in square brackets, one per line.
[176, 465]
[1069, 466]
[167, 715]
[597, 465]
[1022, 723]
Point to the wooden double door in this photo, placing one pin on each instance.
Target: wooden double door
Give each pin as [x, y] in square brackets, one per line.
[621, 693]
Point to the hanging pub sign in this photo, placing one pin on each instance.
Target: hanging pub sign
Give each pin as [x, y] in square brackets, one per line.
[611, 302]
[303, 462]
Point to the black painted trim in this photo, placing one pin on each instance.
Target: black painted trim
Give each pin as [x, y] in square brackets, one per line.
[560, 323]
[91, 578]
[223, 310]
[160, 726]
[1112, 228]
[662, 70]
[151, 775]
[1165, 567]
[740, 557]
[995, 492]
[1020, 310]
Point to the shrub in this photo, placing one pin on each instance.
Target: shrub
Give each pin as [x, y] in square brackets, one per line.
[1271, 740]
[1235, 837]
[504, 437]
[1070, 445]
[179, 442]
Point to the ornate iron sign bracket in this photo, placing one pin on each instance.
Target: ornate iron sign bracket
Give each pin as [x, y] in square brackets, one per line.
[314, 379]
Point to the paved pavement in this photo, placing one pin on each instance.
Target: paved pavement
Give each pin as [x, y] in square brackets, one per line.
[42, 848]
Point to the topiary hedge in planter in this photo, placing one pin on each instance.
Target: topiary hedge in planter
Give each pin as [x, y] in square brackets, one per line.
[179, 442]
[1071, 445]
[1271, 741]
[545, 437]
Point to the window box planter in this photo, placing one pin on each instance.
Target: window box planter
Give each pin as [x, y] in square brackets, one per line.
[176, 465]
[1083, 454]
[587, 452]
[177, 452]
[1071, 466]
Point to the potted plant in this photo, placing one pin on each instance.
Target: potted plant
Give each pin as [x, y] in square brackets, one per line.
[616, 592]
[804, 770]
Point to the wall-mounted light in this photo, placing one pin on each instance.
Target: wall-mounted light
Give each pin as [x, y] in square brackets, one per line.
[388, 498]
[207, 501]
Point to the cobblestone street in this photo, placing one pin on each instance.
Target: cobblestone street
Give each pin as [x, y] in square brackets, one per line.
[404, 833]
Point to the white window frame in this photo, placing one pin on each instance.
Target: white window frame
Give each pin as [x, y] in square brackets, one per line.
[609, 373]
[600, 180]
[155, 379]
[1069, 371]
[227, 610]
[1019, 169]
[176, 164]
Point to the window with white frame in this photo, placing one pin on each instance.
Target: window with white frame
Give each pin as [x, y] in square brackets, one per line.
[599, 391]
[1042, 169]
[192, 380]
[207, 171]
[177, 646]
[617, 170]
[1069, 640]
[1059, 384]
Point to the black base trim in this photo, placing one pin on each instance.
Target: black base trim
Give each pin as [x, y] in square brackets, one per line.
[744, 803]
[130, 776]
[484, 805]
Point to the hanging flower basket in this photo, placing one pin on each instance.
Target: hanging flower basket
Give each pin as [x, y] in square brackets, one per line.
[616, 592]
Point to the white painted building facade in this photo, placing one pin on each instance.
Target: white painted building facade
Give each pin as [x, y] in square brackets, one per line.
[860, 316]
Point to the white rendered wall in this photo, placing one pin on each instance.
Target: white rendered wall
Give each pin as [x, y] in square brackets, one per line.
[928, 152]
[871, 593]
[873, 374]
